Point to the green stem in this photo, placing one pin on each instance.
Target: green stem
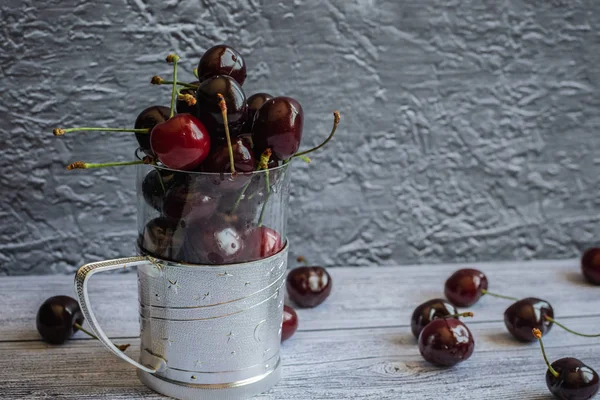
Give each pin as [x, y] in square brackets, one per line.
[195, 71]
[484, 292]
[463, 314]
[82, 165]
[60, 131]
[538, 335]
[262, 210]
[336, 122]
[175, 59]
[570, 330]
[223, 107]
[240, 197]
[187, 85]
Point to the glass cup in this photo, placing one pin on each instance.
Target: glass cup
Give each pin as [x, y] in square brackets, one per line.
[211, 268]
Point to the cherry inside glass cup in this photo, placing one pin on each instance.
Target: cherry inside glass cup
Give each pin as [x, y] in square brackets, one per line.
[211, 218]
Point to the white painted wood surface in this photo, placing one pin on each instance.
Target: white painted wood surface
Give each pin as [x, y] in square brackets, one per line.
[357, 345]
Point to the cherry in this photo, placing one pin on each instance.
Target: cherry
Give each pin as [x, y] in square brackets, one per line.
[569, 378]
[218, 160]
[155, 185]
[278, 125]
[590, 265]
[189, 199]
[162, 238]
[148, 119]
[58, 319]
[262, 242]
[308, 286]
[524, 315]
[215, 241]
[464, 287]
[446, 342]
[182, 106]
[181, 142]
[290, 323]
[254, 103]
[209, 111]
[427, 312]
[222, 60]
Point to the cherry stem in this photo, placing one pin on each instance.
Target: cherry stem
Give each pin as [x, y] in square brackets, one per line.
[570, 330]
[60, 131]
[263, 164]
[462, 314]
[538, 334]
[240, 197]
[302, 260]
[157, 80]
[174, 58]
[223, 106]
[82, 165]
[336, 122]
[121, 347]
[195, 71]
[484, 292]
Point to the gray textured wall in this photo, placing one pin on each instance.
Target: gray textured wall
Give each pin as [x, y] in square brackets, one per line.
[469, 128]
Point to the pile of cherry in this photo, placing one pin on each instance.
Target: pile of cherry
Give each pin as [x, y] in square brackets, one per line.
[60, 317]
[444, 340]
[239, 145]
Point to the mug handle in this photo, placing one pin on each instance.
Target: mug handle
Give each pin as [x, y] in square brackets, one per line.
[81, 281]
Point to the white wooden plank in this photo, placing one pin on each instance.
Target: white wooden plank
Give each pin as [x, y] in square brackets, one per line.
[361, 297]
[379, 363]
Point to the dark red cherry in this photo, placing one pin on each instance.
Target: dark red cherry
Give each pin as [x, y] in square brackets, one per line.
[180, 143]
[254, 103]
[209, 111]
[162, 238]
[590, 265]
[308, 286]
[188, 198]
[427, 312]
[262, 242]
[290, 323]
[222, 60]
[278, 125]
[464, 287]
[575, 380]
[526, 314]
[155, 185]
[215, 241]
[446, 342]
[243, 157]
[148, 119]
[56, 318]
[183, 107]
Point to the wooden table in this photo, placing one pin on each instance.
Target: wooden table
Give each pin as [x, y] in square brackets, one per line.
[357, 345]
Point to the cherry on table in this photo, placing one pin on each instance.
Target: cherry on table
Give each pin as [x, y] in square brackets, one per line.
[278, 125]
[446, 342]
[526, 314]
[181, 142]
[465, 287]
[57, 317]
[569, 378]
[148, 119]
[222, 60]
[308, 286]
[428, 311]
[290, 323]
[590, 265]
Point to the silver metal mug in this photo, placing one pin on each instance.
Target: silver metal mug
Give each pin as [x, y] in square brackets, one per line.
[207, 331]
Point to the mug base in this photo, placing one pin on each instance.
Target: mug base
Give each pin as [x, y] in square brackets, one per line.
[227, 391]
